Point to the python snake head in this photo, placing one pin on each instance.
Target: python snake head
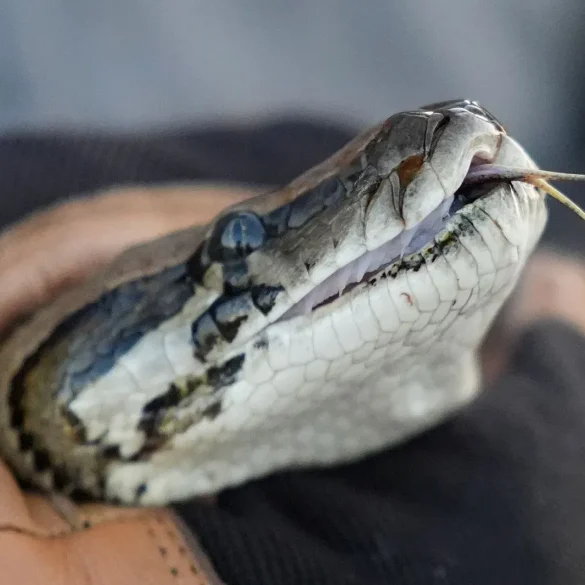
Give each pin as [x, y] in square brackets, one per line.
[311, 325]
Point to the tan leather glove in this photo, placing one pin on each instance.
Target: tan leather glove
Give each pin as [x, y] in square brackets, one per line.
[45, 540]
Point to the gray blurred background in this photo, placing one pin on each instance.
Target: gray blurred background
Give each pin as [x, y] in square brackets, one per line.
[121, 65]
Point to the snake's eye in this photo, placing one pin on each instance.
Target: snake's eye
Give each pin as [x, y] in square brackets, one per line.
[236, 236]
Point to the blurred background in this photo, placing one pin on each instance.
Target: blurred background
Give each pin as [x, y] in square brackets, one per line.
[128, 66]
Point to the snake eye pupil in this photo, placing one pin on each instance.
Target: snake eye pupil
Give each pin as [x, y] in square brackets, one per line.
[236, 236]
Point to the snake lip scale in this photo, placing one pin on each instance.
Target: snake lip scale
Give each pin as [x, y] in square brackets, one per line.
[366, 266]
[308, 326]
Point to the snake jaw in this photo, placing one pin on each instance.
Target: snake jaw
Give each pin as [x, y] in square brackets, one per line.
[409, 241]
[367, 265]
[388, 357]
[418, 236]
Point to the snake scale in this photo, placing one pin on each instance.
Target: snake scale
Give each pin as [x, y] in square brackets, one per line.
[307, 326]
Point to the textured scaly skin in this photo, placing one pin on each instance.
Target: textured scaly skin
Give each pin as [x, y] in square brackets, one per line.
[181, 371]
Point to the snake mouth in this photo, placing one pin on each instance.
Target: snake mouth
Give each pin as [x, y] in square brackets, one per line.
[408, 242]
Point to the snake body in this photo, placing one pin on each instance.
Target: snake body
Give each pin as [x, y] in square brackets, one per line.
[308, 326]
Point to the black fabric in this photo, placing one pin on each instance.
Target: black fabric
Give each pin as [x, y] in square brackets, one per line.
[497, 495]
[40, 169]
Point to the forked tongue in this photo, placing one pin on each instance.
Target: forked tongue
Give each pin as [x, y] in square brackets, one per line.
[536, 177]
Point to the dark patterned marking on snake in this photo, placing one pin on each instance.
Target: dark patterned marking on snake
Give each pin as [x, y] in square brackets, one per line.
[413, 262]
[153, 439]
[205, 335]
[111, 452]
[447, 242]
[430, 254]
[192, 384]
[29, 442]
[164, 401]
[229, 313]
[81, 495]
[236, 277]
[76, 429]
[61, 477]
[394, 269]
[224, 375]
[17, 393]
[212, 411]
[140, 490]
[264, 296]
[17, 417]
[153, 410]
[261, 343]
[41, 460]
[221, 321]
[25, 441]
[196, 266]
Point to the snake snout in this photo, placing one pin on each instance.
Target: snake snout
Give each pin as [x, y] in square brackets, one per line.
[470, 106]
